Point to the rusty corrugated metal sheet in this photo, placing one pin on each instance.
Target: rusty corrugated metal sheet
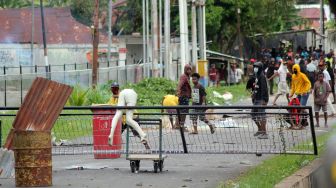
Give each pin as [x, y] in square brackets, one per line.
[41, 107]
[61, 27]
[33, 165]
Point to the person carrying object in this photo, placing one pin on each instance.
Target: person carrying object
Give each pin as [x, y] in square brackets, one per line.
[300, 85]
[127, 97]
[258, 85]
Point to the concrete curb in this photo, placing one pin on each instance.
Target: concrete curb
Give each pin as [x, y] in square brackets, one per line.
[302, 178]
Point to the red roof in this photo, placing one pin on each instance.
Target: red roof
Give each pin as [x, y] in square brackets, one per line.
[310, 13]
[61, 27]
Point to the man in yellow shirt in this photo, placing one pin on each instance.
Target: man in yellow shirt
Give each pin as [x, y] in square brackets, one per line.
[114, 101]
[170, 100]
[300, 85]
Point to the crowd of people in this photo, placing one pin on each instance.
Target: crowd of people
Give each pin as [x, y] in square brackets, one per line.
[308, 71]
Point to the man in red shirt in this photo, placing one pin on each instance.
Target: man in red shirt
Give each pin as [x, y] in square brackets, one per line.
[213, 75]
[184, 92]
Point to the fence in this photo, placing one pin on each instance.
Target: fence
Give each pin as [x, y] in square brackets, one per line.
[234, 132]
[15, 81]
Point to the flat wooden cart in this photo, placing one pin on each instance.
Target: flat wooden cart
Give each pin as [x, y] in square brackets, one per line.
[156, 156]
[136, 158]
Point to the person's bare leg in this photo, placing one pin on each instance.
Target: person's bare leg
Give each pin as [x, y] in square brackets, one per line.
[325, 119]
[287, 96]
[276, 98]
[114, 123]
[317, 119]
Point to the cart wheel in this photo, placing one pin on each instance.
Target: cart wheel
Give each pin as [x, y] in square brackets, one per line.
[161, 165]
[156, 166]
[133, 166]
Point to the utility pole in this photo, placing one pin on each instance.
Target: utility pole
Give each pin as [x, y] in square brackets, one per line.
[32, 34]
[144, 46]
[44, 42]
[194, 34]
[155, 41]
[160, 38]
[109, 32]
[322, 23]
[147, 39]
[239, 34]
[183, 12]
[167, 37]
[201, 30]
[95, 44]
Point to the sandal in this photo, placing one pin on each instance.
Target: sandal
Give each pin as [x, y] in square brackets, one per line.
[194, 132]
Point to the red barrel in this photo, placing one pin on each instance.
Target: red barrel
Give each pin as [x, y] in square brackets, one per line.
[101, 131]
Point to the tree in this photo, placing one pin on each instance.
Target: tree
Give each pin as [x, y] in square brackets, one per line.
[14, 4]
[257, 16]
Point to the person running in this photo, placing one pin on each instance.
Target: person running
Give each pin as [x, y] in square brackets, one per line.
[300, 85]
[283, 88]
[321, 93]
[127, 97]
[199, 98]
[258, 85]
[184, 93]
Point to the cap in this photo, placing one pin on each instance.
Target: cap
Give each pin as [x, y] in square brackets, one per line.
[252, 60]
[258, 64]
[114, 84]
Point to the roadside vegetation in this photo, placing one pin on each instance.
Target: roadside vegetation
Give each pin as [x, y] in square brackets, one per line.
[150, 93]
[273, 170]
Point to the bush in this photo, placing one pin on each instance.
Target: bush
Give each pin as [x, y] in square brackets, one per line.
[77, 97]
[151, 90]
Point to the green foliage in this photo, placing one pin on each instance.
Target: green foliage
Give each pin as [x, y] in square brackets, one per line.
[238, 91]
[14, 3]
[78, 96]
[83, 10]
[151, 91]
[97, 96]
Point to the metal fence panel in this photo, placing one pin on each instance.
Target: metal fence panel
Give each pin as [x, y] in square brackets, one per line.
[234, 133]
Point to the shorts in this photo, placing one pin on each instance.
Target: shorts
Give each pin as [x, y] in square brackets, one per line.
[171, 111]
[198, 113]
[258, 113]
[283, 88]
[184, 101]
[317, 107]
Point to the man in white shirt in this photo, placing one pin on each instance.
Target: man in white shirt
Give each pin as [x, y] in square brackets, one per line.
[282, 85]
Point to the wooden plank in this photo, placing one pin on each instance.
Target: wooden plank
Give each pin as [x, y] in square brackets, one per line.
[146, 157]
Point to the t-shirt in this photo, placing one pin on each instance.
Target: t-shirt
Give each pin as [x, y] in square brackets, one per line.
[233, 76]
[327, 77]
[321, 91]
[213, 74]
[197, 93]
[311, 67]
[282, 74]
[239, 74]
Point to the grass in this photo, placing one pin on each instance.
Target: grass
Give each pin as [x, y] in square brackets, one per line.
[71, 127]
[273, 170]
[238, 92]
